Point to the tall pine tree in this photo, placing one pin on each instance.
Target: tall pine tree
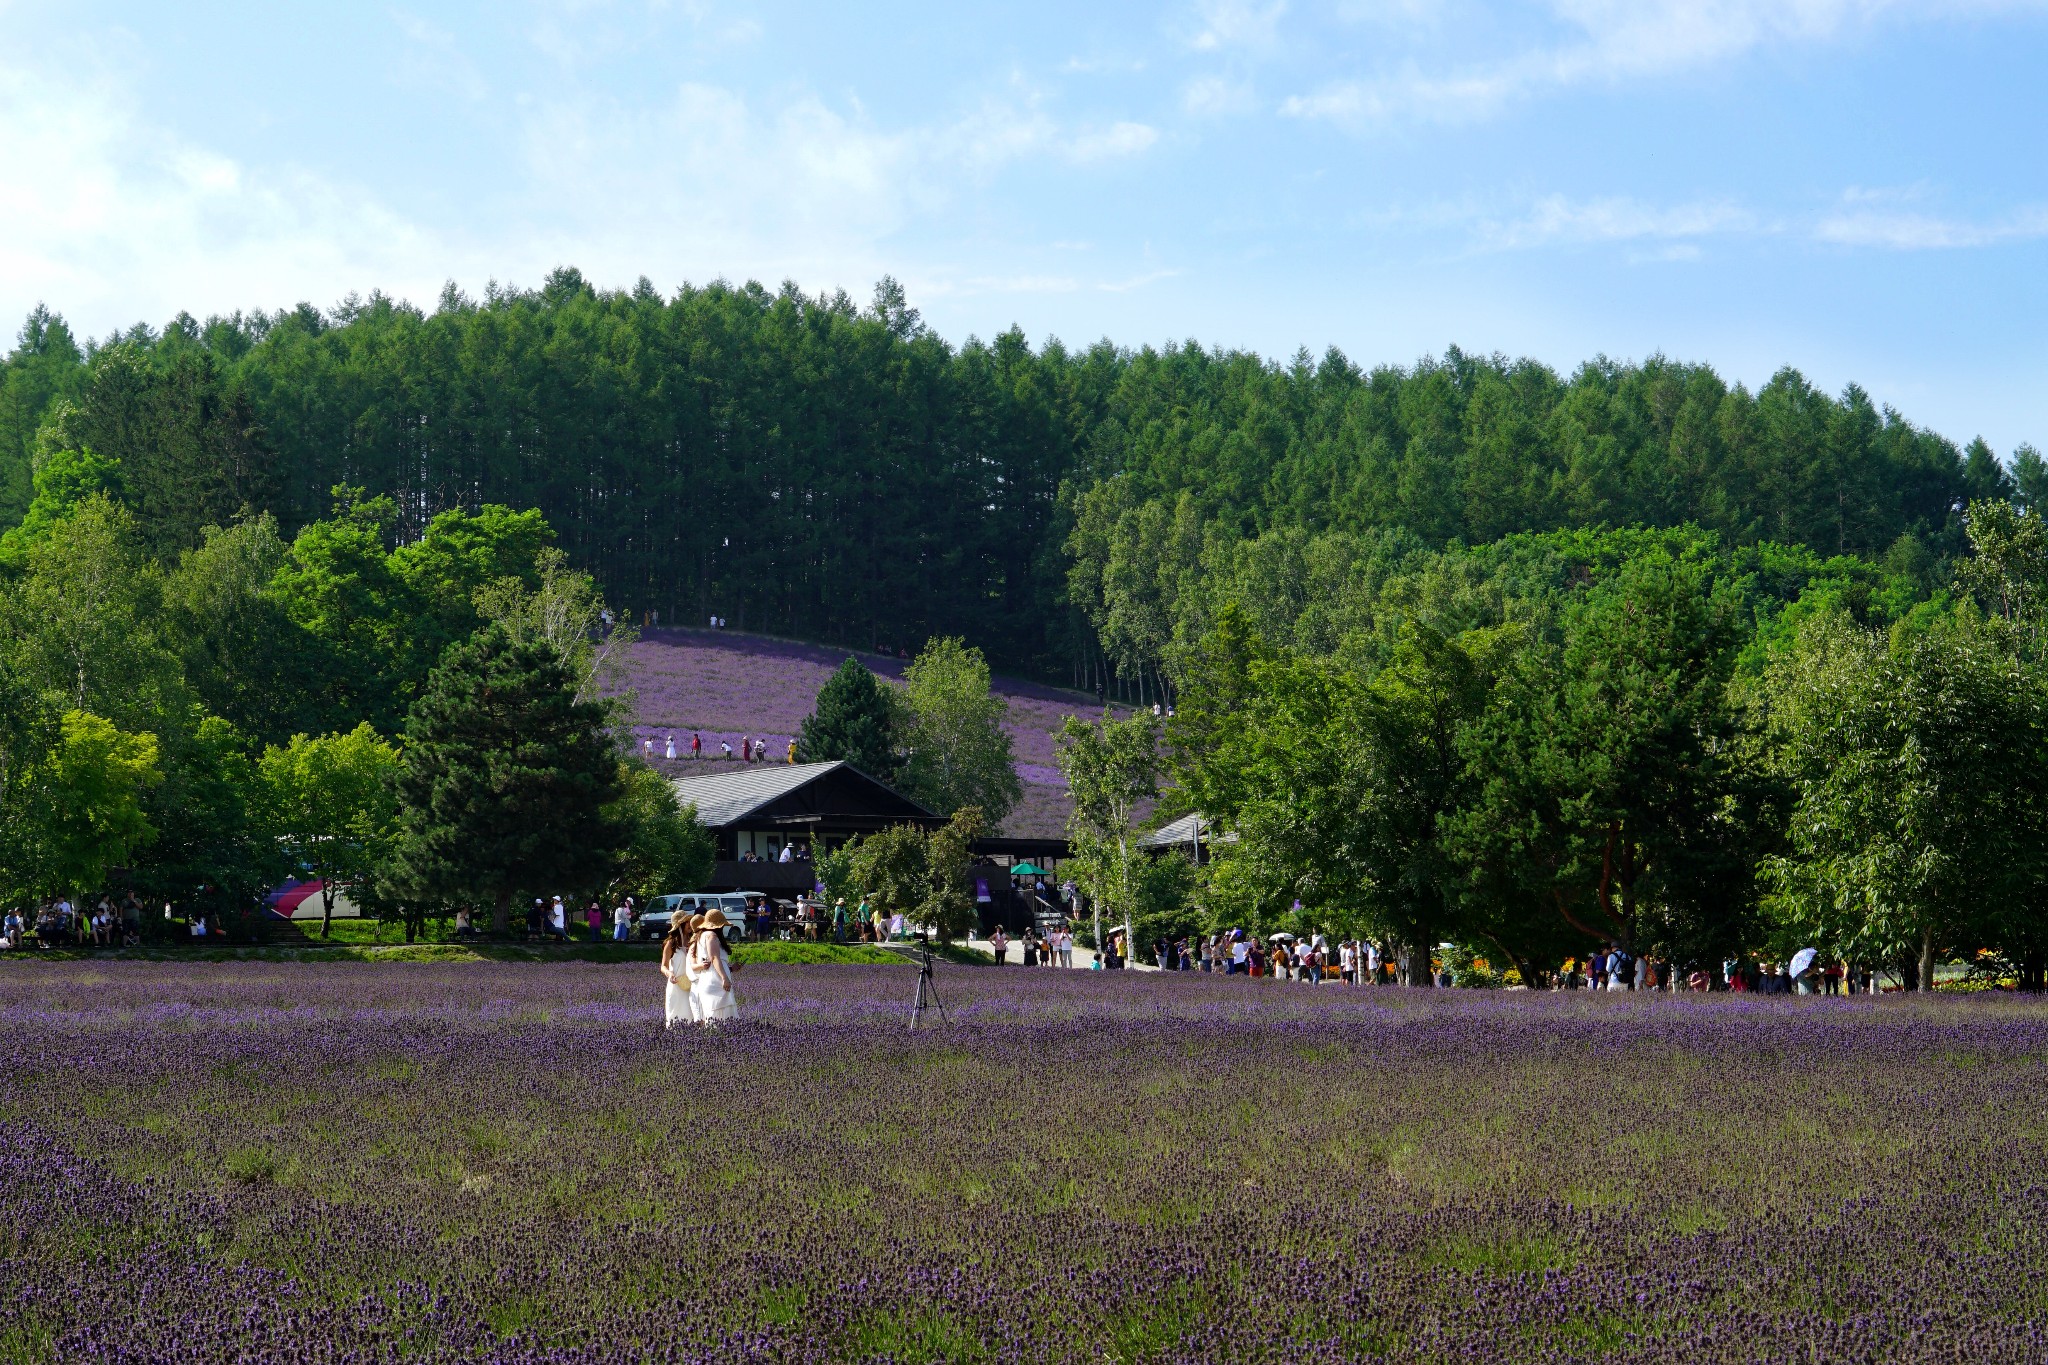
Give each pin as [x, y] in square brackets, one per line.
[854, 719]
[506, 780]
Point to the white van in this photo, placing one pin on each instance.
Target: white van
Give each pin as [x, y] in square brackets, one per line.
[654, 920]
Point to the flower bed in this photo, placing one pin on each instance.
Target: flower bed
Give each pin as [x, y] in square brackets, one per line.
[513, 1162]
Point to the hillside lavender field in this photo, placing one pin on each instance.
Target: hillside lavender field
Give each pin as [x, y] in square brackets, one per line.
[727, 686]
[353, 1163]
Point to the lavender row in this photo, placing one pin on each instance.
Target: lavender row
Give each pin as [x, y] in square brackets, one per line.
[484, 1162]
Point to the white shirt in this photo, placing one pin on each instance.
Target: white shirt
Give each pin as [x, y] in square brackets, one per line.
[1238, 951]
[788, 854]
[555, 915]
[622, 916]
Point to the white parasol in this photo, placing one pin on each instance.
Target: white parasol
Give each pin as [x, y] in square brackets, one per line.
[1801, 960]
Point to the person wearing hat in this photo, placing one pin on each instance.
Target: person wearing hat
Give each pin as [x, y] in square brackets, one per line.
[711, 996]
[678, 1004]
[839, 920]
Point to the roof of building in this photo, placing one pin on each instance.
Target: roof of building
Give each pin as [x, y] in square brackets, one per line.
[727, 797]
[1177, 833]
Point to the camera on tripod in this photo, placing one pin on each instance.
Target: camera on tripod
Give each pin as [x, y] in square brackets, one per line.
[927, 988]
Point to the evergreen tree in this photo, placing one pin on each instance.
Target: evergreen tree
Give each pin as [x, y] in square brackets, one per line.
[506, 781]
[855, 718]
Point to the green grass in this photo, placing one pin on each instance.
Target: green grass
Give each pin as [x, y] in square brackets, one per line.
[359, 948]
[816, 954]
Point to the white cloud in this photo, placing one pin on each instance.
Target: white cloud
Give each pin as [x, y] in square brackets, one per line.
[1556, 218]
[1228, 25]
[1392, 13]
[1608, 41]
[1926, 232]
[1217, 97]
[1117, 140]
[112, 220]
[432, 59]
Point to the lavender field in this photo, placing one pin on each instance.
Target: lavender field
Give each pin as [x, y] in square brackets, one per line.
[506, 1162]
[728, 686]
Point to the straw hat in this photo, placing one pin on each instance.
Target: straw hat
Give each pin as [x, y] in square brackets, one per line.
[714, 918]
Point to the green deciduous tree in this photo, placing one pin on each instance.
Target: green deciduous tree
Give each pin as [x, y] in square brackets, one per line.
[1607, 769]
[509, 783]
[29, 729]
[564, 609]
[333, 799]
[958, 752]
[1920, 766]
[1110, 766]
[213, 827]
[244, 656]
[83, 619]
[665, 849]
[856, 718]
[905, 870]
[89, 815]
[949, 906]
[889, 867]
[65, 476]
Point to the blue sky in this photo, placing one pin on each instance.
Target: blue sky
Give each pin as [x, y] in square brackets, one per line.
[1858, 188]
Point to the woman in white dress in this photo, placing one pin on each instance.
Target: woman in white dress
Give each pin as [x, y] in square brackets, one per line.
[678, 1004]
[711, 996]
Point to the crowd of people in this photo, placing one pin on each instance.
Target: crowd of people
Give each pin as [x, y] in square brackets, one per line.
[753, 748]
[60, 924]
[1316, 960]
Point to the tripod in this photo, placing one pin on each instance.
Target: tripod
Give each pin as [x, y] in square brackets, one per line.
[927, 991]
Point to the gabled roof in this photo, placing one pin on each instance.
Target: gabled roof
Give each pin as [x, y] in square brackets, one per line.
[728, 797]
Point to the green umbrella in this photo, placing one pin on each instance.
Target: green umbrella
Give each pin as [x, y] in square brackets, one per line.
[1027, 870]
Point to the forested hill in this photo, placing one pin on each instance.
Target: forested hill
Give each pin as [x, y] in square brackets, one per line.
[816, 469]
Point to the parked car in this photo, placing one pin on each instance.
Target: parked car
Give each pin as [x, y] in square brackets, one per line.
[654, 920]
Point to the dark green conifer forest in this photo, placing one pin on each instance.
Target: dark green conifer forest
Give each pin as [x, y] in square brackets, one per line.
[814, 468]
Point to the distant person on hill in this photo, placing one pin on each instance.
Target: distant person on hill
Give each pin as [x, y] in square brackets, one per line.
[746, 748]
[792, 752]
[727, 746]
[696, 745]
[647, 748]
[670, 753]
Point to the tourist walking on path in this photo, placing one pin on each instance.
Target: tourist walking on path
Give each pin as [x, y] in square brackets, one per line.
[711, 980]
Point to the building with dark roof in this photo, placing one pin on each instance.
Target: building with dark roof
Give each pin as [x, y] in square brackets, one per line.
[755, 810]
